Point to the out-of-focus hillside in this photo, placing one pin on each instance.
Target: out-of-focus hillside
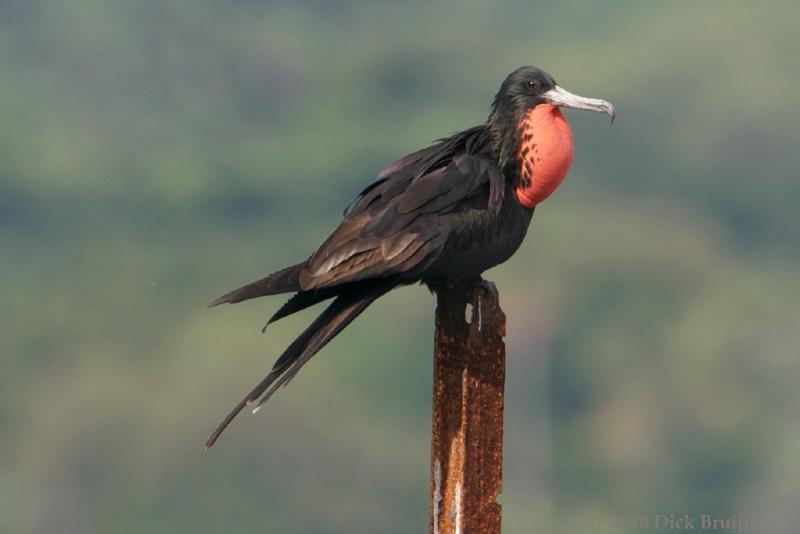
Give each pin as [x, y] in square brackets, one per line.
[155, 154]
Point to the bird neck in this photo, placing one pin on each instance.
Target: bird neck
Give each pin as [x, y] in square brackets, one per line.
[543, 155]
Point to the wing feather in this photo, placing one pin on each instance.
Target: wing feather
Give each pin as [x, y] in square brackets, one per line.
[394, 227]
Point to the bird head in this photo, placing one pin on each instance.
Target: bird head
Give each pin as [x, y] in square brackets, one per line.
[525, 89]
[528, 87]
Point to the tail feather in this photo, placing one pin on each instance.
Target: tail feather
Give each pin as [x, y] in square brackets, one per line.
[343, 312]
[283, 281]
[333, 320]
[302, 300]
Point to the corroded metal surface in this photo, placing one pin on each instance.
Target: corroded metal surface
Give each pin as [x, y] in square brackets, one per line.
[468, 381]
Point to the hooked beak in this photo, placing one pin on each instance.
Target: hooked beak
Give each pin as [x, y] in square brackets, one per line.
[561, 97]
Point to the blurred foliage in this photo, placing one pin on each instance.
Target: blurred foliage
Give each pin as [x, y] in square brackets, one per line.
[156, 154]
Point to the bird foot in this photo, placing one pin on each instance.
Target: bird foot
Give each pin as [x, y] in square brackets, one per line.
[488, 287]
[486, 305]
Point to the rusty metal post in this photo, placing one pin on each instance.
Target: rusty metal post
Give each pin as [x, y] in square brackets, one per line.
[468, 382]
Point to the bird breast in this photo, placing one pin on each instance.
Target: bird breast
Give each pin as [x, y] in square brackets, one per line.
[544, 153]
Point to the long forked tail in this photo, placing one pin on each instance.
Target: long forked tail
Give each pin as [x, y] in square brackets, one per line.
[333, 320]
[283, 281]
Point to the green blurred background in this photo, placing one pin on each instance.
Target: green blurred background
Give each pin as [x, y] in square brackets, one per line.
[158, 153]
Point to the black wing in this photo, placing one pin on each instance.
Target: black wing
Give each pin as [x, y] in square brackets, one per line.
[398, 226]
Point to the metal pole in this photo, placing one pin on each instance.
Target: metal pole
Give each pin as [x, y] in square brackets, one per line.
[468, 381]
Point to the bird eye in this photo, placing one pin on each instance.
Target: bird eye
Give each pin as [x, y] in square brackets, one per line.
[533, 85]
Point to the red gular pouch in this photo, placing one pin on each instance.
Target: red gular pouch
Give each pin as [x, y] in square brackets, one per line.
[544, 153]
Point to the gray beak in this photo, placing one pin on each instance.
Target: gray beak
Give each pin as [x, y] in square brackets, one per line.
[561, 97]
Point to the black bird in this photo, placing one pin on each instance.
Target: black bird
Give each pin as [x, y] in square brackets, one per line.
[448, 211]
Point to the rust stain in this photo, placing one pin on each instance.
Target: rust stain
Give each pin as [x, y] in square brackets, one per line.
[467, 441]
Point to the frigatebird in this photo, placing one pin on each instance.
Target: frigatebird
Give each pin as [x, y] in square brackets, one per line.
[447, 212]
